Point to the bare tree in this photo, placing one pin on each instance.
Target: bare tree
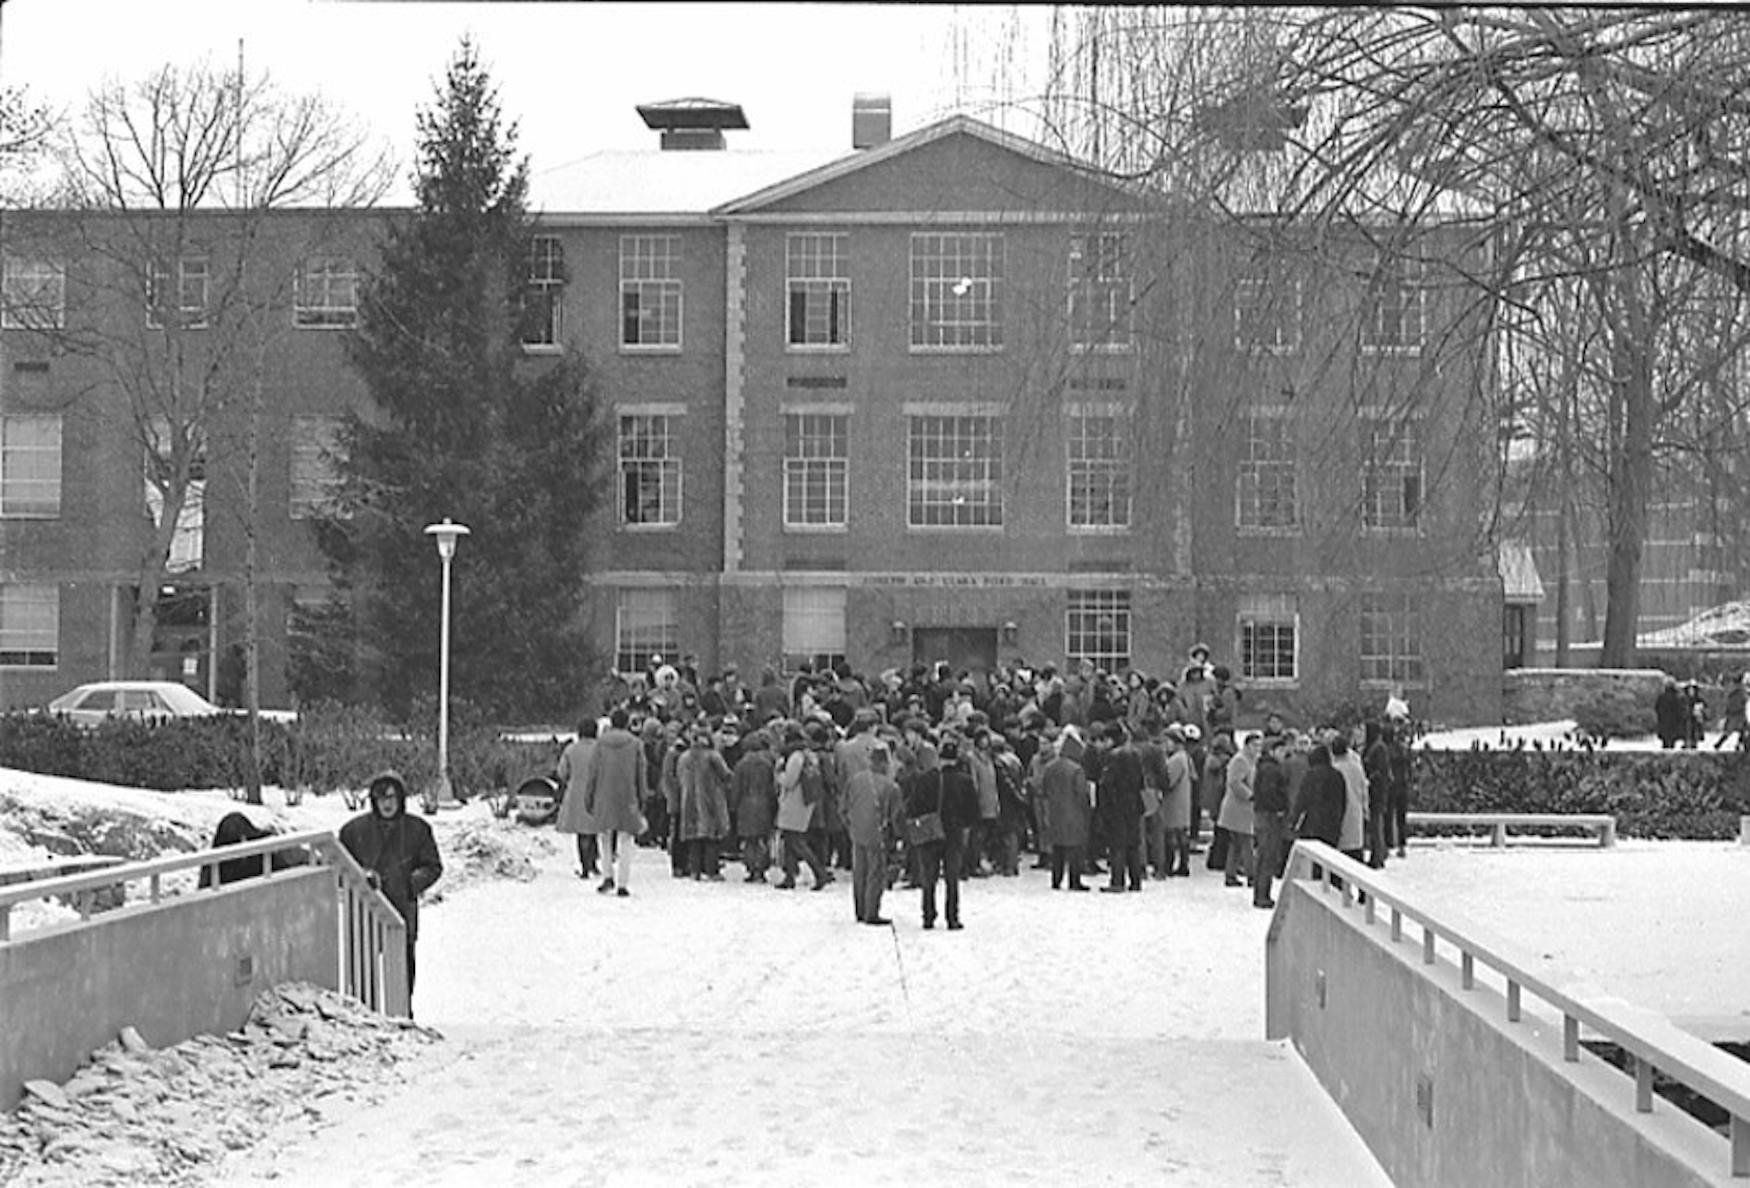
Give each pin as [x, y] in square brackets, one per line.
[176, 283]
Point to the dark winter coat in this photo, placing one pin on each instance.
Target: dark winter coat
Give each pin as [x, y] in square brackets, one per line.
[1120, 787]
[1269, 786]
[1064, 786]
[753, 794]
[615, 787]
[400, 850]
[704, 782]
[1323, 798]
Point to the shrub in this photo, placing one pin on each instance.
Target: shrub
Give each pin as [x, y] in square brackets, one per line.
[1615, 713]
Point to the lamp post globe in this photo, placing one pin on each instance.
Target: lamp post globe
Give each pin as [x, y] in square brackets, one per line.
[445, 535]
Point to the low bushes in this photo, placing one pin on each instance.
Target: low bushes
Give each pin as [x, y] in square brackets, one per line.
[1671, 794]
[330, 747]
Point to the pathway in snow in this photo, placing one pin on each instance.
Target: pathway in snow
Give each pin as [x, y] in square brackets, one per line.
[729, 1033]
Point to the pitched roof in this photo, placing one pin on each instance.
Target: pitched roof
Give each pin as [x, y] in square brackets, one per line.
[653, 182]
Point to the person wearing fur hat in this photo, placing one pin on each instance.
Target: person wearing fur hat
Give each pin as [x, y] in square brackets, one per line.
[398, 852]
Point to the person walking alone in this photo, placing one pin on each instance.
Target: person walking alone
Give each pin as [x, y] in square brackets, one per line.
[613, 790]
[572, 770]
[398, 852]
[872, 811]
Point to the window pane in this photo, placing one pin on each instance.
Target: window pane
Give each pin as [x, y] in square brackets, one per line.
[1392, 481]
[1099, 470]
[819, 289]
[650, 290]
[1391, 640]
[314, 468]
[1268, 626]
[30, 625]
[33, 295]
[955, 475]
[956, 291]
[646, 625]
[650, 471]
[327, 292]
[816, 470]
[1097, 628]
[1101, 291]
[30, 466]
[1266, 497]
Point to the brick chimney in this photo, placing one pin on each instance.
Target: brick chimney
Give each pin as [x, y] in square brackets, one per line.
[692, 124]
[871, 120]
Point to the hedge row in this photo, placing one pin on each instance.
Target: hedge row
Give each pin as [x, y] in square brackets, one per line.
[1679, 794]
[327, 749]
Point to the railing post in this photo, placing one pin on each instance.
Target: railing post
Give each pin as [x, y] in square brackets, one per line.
[1468, 970]
[5, 922]
[1512, 1001]
[155, 889]
[1740, 1146]
[1643, 1085]
[1570, 1038]
[1427, 945]
[1397, 924]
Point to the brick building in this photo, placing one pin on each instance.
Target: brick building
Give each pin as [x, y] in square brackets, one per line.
[949, 396]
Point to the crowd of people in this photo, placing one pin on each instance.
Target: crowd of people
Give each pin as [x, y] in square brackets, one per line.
[928, 777]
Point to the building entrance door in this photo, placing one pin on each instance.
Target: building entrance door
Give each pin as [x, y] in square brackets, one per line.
[971, 648]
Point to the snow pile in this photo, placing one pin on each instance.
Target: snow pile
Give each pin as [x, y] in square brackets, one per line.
[133, 1115]
[1723, 626]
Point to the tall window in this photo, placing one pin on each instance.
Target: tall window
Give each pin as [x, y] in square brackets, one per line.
[1391, 640]
[956, 291]
[30, 467]
[1099, 469]
[814, 626]
[1266, 311]
[1268, 630]
[544, 299]
[1391, 492]
[314, 477]
[1394, 318]
[818, 288]
[647, 623]
[1101, 292]
[650, 291]
[1097, 628]
[176, 294]
[326, 293]
[33, 294]
[816, 470]
[650, 470]
[30, 625]
[955, 477]
[1265, 498]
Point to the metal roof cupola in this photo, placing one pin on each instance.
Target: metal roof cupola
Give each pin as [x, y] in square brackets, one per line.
[692, 124]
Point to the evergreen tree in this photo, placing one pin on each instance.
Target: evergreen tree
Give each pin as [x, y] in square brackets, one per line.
[462, 425]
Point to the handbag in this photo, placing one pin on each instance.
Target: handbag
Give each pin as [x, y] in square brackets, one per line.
[925, 828]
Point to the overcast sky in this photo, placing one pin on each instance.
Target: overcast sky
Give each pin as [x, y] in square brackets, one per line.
[570, 73]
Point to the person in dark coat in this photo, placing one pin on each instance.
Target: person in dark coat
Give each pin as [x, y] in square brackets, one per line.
[398, 852]
[947, 790]
[1671, 713]
[753, 798]
[1323, 797]
[1120, 805]
[1269, 816]
[233, 830]
[1063, 787]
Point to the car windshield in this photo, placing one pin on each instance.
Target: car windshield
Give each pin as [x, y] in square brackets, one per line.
[184, 701]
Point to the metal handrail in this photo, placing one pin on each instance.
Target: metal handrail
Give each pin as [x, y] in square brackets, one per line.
[1653, 1041]
[373, 934]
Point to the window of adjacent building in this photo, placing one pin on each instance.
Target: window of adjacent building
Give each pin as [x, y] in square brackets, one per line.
[818, 290]
[315, 441]
[33, 294]
[176, 293]
[1097, 628]
[1269, 635]
[814, 626]
[188, 541]
[1265, 499]
[1391, 640]
[816, 470]
[1394, 318]
[544, 301]
[956, 291]
[1266, 311]
[326, 293]
[650, 470]
[1102, 292]
[650, 291]
[647, 624]
[1514, 618]
[30, 625]
[955, 475]
[30, 467]
[1099, 444]
[1391, 495]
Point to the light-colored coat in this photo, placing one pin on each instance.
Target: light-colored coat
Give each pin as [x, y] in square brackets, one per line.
[1236, 802]
[1354, 832]
[616, 784]
[794, 813]
[574, 815]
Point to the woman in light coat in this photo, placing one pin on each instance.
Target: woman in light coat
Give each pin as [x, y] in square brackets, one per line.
[574, 816]
[614, 788]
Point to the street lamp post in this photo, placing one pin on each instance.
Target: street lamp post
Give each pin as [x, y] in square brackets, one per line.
[446, 535]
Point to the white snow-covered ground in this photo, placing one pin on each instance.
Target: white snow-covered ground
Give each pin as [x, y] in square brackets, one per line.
[734, 1034]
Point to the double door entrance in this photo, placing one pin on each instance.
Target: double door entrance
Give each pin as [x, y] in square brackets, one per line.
[973, 649]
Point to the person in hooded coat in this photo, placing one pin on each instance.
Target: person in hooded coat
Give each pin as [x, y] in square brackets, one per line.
[398, 852]
[1063, 786]
[234, 829]
[574, 817]
[614, 788]
[704, 805]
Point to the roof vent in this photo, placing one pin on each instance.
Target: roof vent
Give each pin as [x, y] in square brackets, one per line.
[692, 124]
[871, 120]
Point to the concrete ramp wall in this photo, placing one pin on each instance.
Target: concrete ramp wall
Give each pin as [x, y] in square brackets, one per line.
[1444, 1090]
[186, 966]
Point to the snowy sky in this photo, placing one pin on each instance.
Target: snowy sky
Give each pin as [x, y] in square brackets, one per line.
[569, 72]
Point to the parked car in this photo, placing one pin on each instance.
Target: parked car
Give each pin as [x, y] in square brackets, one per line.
[90, 704]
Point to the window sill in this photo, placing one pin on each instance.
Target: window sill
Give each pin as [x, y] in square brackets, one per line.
[1406, 352]
[542, 348]
[36, 517]
[817, 348]
[644, 528]
[1097, 529]
[1261, 532]
[635, 348]
[986, 529]
[1372, 683]
[353, 324]
[915, 349]
[1271, 682]
[816, 529]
